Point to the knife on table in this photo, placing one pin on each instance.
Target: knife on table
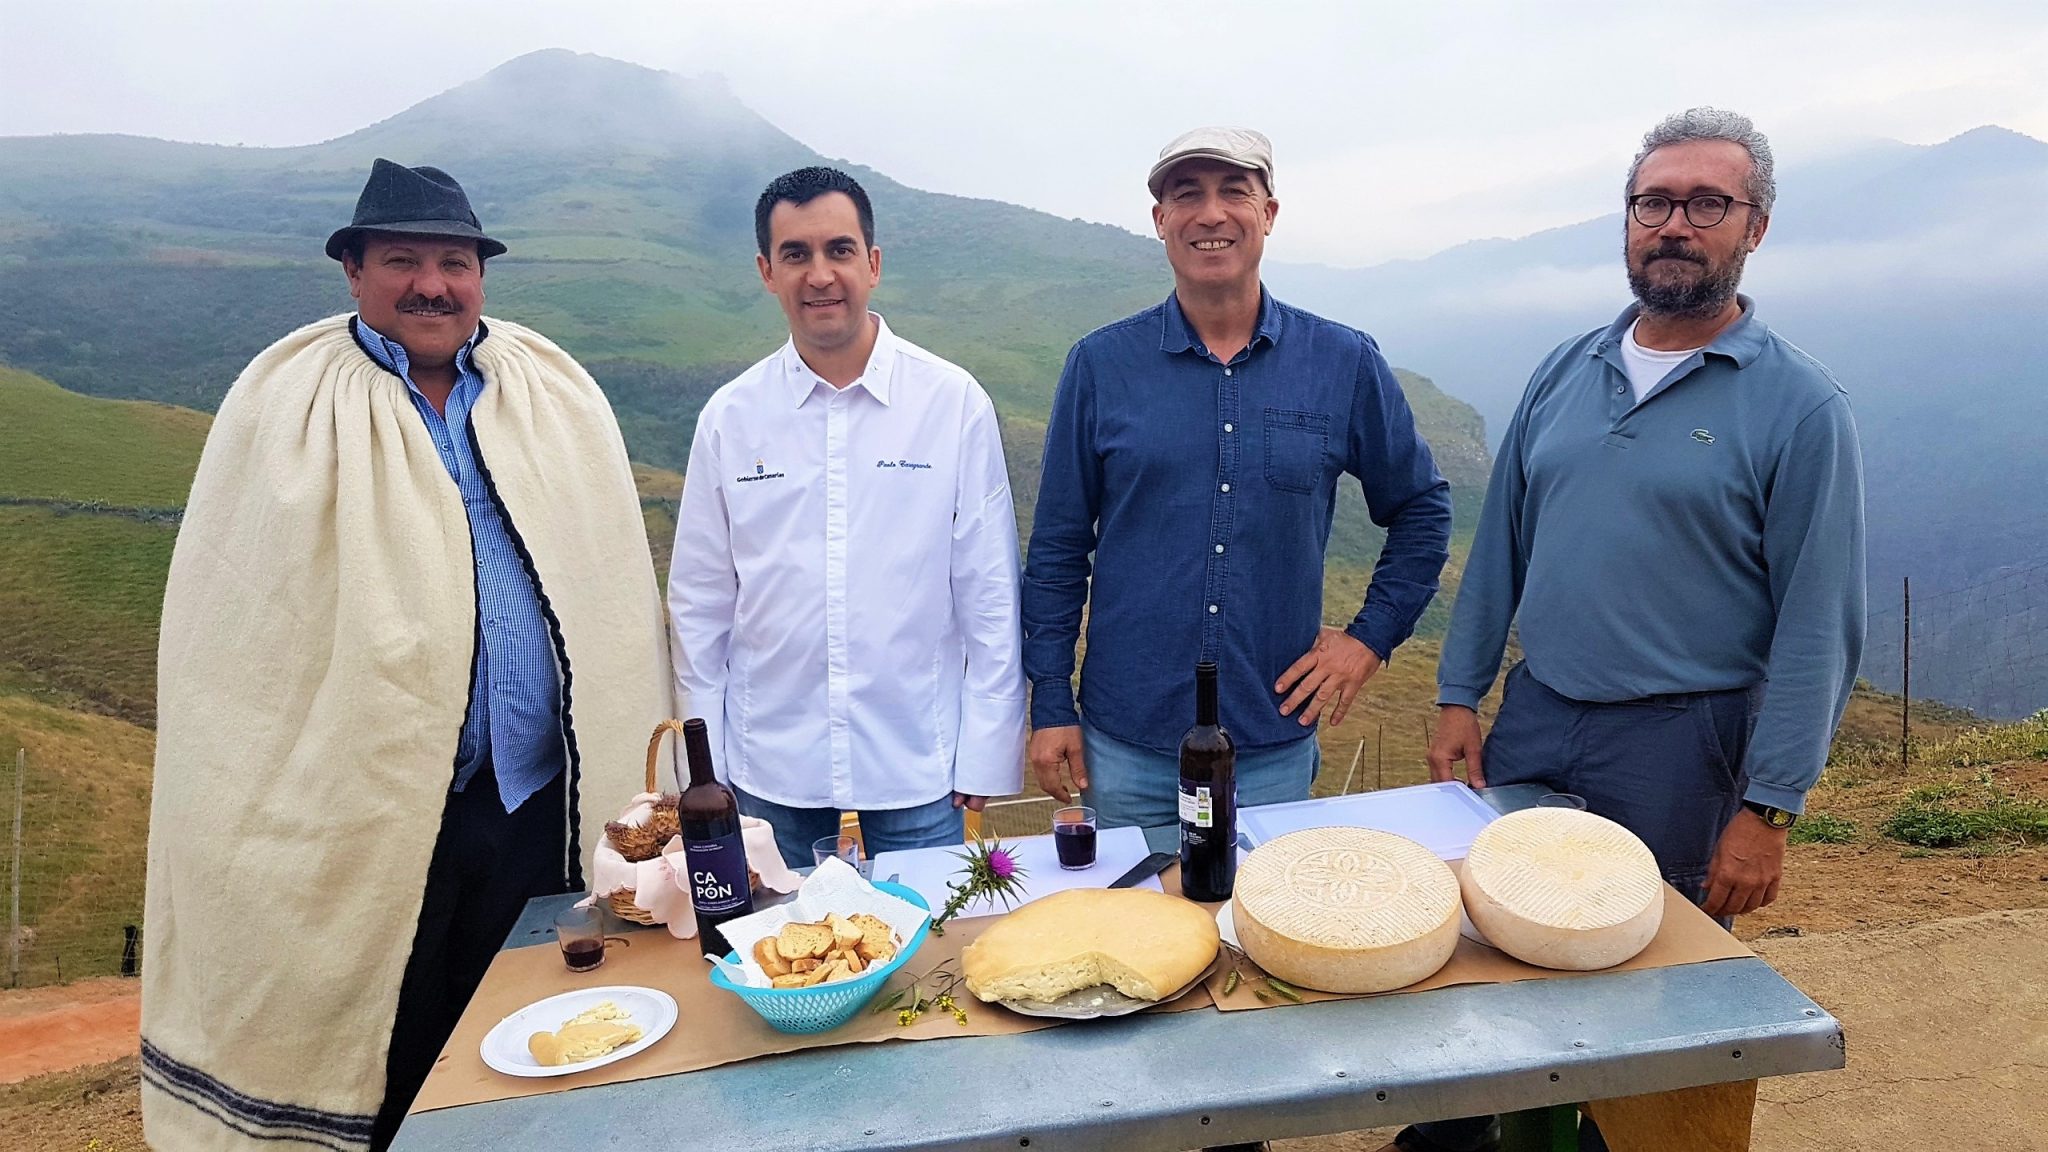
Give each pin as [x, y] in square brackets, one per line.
[1151, 865]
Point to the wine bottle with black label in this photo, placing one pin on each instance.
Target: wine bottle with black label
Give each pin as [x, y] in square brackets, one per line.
[1208, 799]
[713, 855]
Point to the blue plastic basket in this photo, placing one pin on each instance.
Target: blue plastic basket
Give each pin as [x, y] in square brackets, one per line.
[823, 1007]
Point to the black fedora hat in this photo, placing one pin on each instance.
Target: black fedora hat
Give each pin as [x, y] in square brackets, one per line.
[416, 202]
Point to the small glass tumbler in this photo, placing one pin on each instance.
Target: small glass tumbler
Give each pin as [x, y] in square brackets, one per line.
[1561, 800]
[581, 934]
[847, 848]
[1073, 835]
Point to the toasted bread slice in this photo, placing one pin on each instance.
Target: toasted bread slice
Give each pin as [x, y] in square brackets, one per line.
[769, 958]
[877, 942]
[797, 941]
[845, 933]
[792, 980]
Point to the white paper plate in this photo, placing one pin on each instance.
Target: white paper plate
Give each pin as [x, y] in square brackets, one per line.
[504, 1047]
[1226, 925]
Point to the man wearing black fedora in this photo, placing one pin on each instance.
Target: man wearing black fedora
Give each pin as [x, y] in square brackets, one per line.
[411, 624]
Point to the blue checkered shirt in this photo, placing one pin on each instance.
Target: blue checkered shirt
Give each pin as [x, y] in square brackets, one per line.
[514, 720]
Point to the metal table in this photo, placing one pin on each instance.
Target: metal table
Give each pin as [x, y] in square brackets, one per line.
[1669, 1055]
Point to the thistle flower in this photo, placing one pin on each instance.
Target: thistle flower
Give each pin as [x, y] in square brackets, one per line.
[992, 870]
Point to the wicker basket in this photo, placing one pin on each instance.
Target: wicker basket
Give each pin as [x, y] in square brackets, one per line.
[621, 901]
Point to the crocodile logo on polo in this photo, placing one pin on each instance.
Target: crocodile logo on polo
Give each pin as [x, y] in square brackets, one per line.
[1703, 436]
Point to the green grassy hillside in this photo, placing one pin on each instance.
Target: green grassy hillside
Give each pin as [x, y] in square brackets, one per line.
[88, 489]
[58, 445]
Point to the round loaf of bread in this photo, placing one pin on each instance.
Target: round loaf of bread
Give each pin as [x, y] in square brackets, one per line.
[1346, 910]
[1146, 944]
[1561, 888]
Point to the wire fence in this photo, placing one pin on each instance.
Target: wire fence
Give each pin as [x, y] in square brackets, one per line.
[1981, 646]
[73, 904]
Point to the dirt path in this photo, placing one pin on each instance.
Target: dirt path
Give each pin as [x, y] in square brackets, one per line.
[1948, 1038]
[44, 1030]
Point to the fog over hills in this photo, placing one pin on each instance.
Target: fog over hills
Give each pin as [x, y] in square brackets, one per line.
[146, 269]
[1919, 275]
[139, 268]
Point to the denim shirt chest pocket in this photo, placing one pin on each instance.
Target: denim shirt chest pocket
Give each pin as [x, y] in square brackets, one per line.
[1296, 444]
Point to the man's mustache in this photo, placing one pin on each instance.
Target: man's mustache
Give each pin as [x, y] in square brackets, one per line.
[438, 303]
[1672, 250]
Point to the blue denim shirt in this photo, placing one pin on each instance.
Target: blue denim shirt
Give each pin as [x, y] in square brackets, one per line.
[514, 720]
[1708, 538]
[1204, 492]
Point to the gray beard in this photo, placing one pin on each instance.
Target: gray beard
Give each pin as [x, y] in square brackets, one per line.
[1703, 297]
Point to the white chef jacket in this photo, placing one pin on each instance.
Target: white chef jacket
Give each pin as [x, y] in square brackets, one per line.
[844, 585]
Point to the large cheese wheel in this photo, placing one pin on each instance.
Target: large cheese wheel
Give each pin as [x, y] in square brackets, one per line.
[1346, 909]
[1145, 944]
[1562, 888]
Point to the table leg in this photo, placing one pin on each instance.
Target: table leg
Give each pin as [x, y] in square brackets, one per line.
[1712, 1118]
[1552, 1129]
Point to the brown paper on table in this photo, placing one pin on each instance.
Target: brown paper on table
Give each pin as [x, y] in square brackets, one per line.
[713, 1026]
[1686, 936]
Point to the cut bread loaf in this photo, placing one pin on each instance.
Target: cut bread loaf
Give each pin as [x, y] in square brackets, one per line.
[1145, 944]
[1561, 888]
[1346, 910]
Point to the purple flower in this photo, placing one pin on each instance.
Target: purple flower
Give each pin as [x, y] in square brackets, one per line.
[999, 862]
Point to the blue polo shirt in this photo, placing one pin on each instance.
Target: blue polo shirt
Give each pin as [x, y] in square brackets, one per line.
[1188, 503]
[1708, 538]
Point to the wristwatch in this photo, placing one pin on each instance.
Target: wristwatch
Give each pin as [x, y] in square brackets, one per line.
[1775, 817]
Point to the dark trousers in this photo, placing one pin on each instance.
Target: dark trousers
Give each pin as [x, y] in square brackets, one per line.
[487, 863]
[1668, 768]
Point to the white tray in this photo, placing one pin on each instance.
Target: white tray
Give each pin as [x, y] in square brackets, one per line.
[1441, 817]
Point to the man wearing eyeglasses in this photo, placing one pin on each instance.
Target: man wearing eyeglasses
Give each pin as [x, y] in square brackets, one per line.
[1675, 524]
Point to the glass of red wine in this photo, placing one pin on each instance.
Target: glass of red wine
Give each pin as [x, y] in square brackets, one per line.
[1073, 834]
[581, 933]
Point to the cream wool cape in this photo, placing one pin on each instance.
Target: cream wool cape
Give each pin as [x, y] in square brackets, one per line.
[313, 674]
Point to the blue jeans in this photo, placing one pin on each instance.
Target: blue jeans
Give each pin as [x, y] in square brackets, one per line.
[1668, 768]
[934, 825]
[1130, 786]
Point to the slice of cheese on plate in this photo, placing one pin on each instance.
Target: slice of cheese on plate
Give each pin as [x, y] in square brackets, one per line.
[1561, 888]
[1346, 909]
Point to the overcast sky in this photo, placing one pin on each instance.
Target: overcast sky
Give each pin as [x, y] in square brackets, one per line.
[1398, 129]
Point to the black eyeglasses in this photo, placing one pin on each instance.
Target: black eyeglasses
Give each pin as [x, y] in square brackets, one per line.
[1700, 211]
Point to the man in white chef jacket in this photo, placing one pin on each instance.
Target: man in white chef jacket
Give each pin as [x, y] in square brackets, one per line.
[844, 585]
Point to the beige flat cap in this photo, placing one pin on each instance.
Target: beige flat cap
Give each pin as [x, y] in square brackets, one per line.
[1240, 146]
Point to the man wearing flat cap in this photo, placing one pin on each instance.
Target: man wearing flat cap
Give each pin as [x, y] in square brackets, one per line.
[411, 643]
[1191, 468]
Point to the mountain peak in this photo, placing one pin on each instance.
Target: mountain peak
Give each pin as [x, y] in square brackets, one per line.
[1991, 144]
[562, 100]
